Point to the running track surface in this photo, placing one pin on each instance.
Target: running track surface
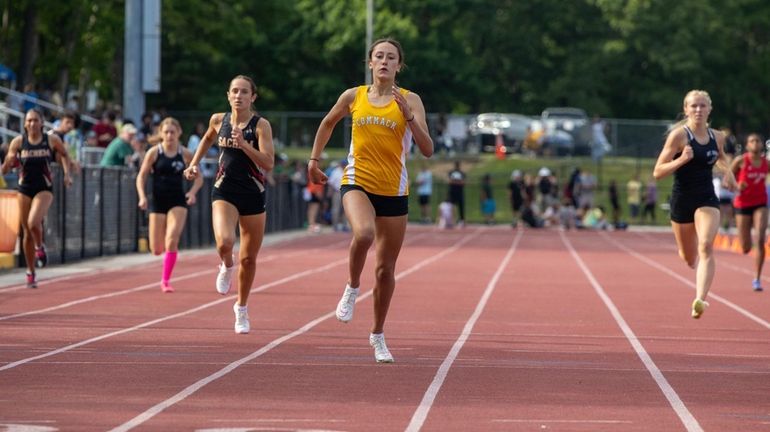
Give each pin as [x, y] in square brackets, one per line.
[492, 329]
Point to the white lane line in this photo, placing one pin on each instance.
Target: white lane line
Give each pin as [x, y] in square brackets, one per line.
[170, 317]
[92, 266]
[546, 421]
[688, 282]
[182, 395]
[142, 287]
[689, 421]
[421, 413]
[101, 296]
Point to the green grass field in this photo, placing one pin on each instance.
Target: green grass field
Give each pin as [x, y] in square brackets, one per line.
[620, 169]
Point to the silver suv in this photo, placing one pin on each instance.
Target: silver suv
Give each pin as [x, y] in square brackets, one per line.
[574, 121]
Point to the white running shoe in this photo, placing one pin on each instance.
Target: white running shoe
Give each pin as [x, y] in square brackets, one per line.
[347, 304]
[224, 278]
[241, 319]
[381, 353]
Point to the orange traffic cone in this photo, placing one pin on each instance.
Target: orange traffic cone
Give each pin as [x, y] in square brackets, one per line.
[723, 242]
[736, 245]
[499, 147]
[767, 251]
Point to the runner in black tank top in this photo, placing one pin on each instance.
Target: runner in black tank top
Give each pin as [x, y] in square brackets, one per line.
[167, 181]
[238, 195]
[693, 187]
[690, 153]
[168, 211]
[35, 171]
[33, 153]
[235, 173]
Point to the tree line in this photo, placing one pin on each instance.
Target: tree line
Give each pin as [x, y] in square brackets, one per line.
[622, 59]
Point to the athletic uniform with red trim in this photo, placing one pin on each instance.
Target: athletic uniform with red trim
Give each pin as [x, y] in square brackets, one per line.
[755, 193]
[239, 180]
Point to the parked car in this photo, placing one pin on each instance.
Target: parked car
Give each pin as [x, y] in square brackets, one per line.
[574, 122]
[484, 129]
[553, 142]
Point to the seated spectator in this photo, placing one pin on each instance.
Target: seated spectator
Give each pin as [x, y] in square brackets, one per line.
[446, 214]
[529, 216]
[568, 214]
[119, 151]
[595, 219]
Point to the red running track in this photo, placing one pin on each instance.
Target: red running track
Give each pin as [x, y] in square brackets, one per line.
[492, 330]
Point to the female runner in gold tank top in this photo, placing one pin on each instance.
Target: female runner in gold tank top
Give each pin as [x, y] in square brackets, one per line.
[375, 184]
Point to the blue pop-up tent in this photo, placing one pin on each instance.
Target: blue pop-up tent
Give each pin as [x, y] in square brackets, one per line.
[6, 74]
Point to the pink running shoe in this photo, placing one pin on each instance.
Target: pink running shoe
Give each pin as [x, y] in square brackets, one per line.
[41, 259]
[31, 282]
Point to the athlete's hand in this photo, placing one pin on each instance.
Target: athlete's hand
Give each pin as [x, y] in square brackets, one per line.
[10, 163]
[687, 154]
[190, 198]
[142, 203]
[403, 105]
[314, 173]
[742, 185]
[729, 184]
[237, 136]
[191, 173]
[67, 180]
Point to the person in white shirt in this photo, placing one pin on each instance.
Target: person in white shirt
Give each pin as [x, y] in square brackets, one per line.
[334, 181]
[424, 192]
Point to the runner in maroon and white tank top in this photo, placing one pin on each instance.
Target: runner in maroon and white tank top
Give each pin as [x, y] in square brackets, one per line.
[32, 152]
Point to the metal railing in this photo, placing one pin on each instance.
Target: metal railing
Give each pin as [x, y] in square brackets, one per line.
[98, 215]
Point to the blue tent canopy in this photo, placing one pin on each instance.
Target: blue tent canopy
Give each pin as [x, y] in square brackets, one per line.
[6, 74]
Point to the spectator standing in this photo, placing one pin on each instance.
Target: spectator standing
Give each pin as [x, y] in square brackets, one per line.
[634, 197]
[516, 195]
[119, 151]
[488, 205]
[105, 129]
[314, 197]
[66, 128]
[545, 186]
[600, 145]
[572, 188]
[650, 200]
[612, 191]
[587, 188]
[333, 186]
[424, 192]
[457, 191]
[31, 96]
[148, 129]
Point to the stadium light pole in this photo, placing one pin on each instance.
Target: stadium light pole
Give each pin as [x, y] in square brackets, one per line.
[369, 25]
[141, 58]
